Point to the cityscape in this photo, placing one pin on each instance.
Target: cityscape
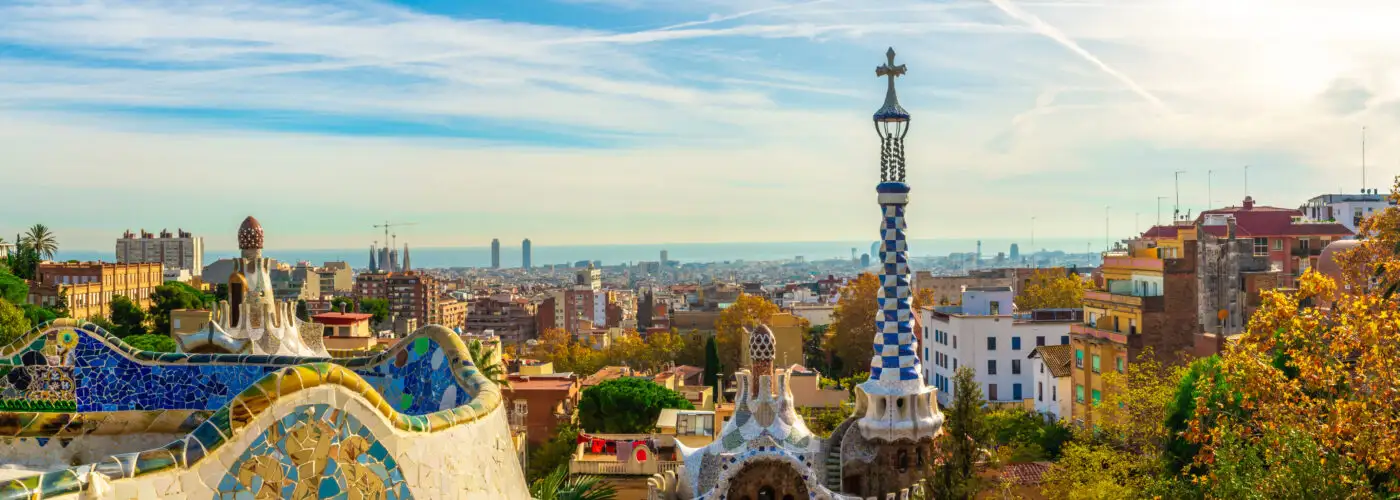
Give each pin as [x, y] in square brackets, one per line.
[627, 333]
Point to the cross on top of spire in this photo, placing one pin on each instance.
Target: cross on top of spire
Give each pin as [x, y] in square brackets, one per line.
[891, 111]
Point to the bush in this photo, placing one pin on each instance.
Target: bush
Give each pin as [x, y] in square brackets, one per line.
[626, 405]
[151, 342]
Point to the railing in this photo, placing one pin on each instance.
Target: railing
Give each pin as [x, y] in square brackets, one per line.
[1140, 263]
[613, 468]
[1082, 329]
[1103, 296]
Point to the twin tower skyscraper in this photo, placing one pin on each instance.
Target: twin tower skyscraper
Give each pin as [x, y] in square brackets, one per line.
[496, 253]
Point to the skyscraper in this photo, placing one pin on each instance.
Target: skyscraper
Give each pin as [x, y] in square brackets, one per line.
[664, 258]
[1015, 252]
[525, 254]
[495, 253]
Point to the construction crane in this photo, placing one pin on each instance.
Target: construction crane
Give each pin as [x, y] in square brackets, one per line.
[386, 225]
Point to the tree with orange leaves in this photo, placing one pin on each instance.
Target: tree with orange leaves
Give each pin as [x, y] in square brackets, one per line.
[853, 324]
[1311, 392]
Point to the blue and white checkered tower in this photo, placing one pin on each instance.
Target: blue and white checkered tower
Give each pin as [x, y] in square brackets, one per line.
[898, 405]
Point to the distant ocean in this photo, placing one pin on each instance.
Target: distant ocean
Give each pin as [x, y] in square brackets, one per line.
[440, 257]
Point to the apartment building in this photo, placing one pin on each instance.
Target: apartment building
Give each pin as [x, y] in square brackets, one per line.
[90, 286]
[180, 250]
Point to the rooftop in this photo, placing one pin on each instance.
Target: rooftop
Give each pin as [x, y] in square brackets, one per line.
[1056, 358]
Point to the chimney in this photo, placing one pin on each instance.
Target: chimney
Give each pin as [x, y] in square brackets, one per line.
[1248, 202]
[342, 308]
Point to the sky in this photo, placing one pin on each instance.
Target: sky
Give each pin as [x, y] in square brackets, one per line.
[575, 122]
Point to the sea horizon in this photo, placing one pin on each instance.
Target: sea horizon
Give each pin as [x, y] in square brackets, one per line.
[544, 255]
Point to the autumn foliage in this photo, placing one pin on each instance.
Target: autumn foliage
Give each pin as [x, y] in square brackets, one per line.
[1051, 289]
[853, 324]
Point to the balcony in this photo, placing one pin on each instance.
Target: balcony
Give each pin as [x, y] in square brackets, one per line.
[1090, 331]
[1306, 252]
[615, 468]
[1132, 263]
[1107, 300]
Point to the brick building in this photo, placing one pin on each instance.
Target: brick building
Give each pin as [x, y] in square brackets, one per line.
[540, 403]
[411, 295]
[511, 317]
[90, 286]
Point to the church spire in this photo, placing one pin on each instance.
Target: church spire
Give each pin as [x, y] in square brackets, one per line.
[372, 266]
[406, 267]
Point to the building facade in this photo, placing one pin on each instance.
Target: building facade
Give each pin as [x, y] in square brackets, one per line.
[89, 287]
[1050, 367]
[525, 254]
[1349, 210]
[1289, 240]
[495, 253]
[987, 335]
[180, 250]
[510, 317]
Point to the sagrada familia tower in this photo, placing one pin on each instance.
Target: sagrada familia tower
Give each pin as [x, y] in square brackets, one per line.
[882, 450]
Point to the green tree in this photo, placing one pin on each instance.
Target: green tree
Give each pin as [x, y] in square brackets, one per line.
[220, 292]
[13, 324]
[626, 405]
[301, 311]
[42, 240]
[13, 288]
[103, 323]
[151, 342]
[127, 317]
[60, 307]
[853, 325]
[553, 453]
[488, 363]
[347, 302]
[378, 307]
[559, 485]
[24, 261]
[965, 436]
[712, 367]
[37, 315]
[171, 296]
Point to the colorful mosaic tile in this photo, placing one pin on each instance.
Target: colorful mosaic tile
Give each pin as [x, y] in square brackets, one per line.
[316, 451]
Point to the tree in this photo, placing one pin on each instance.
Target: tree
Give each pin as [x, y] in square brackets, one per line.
[693, 352]
[60, 307]
[1050, 289]
[171, 296]
[853, 324]
[151, 342]
[553, 453]
[301, 312]
[42, 240]
[220, 292]
[13, 324]
[24, 261]
[342, 303]
[37, 315]
[13, 288]
[561, 486]
[814, 355]
[748, 311]
[712, 367]
[626, 405]
[378, 307]
[488, 363]
[965, 435]
[127, 317]
[103, 323]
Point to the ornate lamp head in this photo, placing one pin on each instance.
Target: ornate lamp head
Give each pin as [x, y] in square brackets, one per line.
[891, 120]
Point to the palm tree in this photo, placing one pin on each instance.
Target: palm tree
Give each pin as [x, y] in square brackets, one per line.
[41, 239]
[557, 485]
[488, 363]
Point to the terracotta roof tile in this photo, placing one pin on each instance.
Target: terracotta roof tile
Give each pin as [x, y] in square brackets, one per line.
[1056, 358]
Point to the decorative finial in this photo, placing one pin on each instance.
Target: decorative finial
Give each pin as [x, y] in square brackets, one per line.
[891, 111]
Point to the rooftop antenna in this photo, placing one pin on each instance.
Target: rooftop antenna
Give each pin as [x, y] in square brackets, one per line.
[1159, 209]
[1246, 181]
[1176, 211]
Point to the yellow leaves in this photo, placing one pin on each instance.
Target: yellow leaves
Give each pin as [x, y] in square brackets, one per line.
[853, 323]
[1051, 288]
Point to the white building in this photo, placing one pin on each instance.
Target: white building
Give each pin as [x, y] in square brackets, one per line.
[985, 334]
[179, 251]
[1050, 368]
[1347, 209]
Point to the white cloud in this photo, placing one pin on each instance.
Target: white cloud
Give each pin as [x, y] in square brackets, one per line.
[1054, 88]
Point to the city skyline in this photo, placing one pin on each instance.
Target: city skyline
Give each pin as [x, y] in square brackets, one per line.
[1054, 108]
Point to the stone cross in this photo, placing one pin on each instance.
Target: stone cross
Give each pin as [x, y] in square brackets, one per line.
[889, 69]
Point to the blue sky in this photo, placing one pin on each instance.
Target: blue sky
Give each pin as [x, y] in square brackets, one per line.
[650, 121]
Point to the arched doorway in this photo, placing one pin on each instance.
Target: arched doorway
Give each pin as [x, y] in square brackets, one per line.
[768, 480]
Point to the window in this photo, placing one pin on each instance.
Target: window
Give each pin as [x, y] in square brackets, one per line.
[991, 392]
[1040, 391]
[996, 308]
[1078, 393]
[1261, 246]
[1094, 363]
[1120, 364]
[1016, 392]
[1096, 396]
[1278, 244]
[1064, 340]
[1016, 367]
[955, 363]
[1303, 244]
[1079, 358]
[1132, 325]
[1054, 392]
[1015, 343]
[955, 341]
[925, 353]
[991, 367]
[1042, 368]
[1039, 340]
[991, 343]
